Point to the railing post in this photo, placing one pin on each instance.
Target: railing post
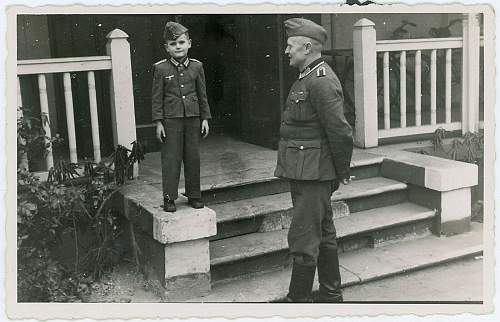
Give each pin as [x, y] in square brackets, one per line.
[470, 72]
[121, 91]
[365, 83]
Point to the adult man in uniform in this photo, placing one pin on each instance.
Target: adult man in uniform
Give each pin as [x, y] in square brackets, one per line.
[314, 153]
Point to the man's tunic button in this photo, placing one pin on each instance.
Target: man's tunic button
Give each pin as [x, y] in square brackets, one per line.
[183, 96]
[302, 147]
[182, 85]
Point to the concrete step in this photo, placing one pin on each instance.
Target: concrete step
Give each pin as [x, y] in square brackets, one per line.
[255, 252]
[273, 212]
[250, 183]
[357, 267]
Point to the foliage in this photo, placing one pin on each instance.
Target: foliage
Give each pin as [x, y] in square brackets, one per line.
[469, 148]
[51, 213]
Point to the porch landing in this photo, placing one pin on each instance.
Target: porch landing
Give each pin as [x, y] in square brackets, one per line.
[229, 162]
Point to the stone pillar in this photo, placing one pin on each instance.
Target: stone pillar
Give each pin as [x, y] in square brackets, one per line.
[174, 247]
[121, 91]
[365, 83]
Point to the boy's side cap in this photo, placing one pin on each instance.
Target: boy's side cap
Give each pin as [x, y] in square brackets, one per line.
[305, 27]
[173, 30]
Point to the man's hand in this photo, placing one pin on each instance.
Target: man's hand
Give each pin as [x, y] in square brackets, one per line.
[204, 128]
[160, 132]
[347, 181]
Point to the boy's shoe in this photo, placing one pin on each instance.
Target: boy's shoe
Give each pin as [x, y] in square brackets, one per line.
[169, 205]
[196, 203]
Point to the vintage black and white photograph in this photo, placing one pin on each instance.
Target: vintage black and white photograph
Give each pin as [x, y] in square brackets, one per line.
[333, 156]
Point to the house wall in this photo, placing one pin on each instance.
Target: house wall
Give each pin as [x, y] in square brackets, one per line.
[33, 42]
[385, 24]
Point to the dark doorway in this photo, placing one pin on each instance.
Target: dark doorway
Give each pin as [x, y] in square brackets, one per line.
[246, 75]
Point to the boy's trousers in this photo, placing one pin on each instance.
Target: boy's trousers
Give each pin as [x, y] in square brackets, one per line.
[181, 145]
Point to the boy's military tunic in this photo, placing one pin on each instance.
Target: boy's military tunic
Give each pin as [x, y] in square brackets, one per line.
[314, 152]
[179, 100]
[179, 90]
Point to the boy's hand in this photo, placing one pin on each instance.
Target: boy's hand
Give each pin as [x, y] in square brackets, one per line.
[160, 132]
[204, 128]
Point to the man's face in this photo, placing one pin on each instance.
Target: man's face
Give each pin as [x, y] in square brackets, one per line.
[178, 48]
[296, 51]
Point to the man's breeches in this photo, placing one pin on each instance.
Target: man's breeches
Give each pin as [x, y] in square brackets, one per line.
[182, 145]
[312, 225]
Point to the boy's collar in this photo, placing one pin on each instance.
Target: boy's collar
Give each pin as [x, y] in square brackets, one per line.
[176, 63]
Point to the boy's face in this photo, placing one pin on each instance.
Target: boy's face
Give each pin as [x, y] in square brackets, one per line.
[178, 48]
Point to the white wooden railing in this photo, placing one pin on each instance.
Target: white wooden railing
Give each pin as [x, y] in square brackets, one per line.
[365, 50]
[118, 63]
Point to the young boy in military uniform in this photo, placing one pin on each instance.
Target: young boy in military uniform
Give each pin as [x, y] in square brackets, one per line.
[179, 105]
[314, 154]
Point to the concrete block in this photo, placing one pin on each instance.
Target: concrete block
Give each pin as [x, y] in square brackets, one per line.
[272, 222]
[453, 207]
[187, 258]
[183, 225]
[455, 211]
[428, 171]
[340, 209]
[181, 288]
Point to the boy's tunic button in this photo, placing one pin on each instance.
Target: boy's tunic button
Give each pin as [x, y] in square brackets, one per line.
[182, 74]
[183, 96]
[182, 85]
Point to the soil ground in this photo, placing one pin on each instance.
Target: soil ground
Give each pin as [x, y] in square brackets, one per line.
[460, 281]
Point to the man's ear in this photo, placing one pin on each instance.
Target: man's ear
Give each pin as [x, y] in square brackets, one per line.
[190, 42]
[308, 46]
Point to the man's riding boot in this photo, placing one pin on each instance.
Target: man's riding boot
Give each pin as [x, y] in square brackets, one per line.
[329, 277]
[301, 283]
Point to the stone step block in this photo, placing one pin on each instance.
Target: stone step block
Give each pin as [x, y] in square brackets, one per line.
[235, 256]
[357, 267]
[273, 212]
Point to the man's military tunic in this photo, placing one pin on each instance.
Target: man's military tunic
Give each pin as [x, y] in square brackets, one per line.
[314, 153]
[179, 100]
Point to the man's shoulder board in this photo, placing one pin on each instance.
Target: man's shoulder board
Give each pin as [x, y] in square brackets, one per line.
[321, 71]
[159, 62]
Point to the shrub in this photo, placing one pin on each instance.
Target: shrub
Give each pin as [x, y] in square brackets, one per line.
[48, 212]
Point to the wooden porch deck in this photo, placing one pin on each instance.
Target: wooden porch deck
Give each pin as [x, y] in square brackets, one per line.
[227, 161]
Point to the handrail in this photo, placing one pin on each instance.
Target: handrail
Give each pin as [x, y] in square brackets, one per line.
[63, 65]
[419, 44]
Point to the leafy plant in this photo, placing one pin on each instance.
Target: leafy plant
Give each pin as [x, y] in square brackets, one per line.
[49, 213]
[437, 139]
[470, 148]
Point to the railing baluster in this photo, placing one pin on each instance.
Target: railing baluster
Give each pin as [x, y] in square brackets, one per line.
[448, 87]
[433, 86]
[94, 120]
[44, 108]
[418, 88]
[402, 88]
[387, 102]
[23, 162]
[70, 118]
